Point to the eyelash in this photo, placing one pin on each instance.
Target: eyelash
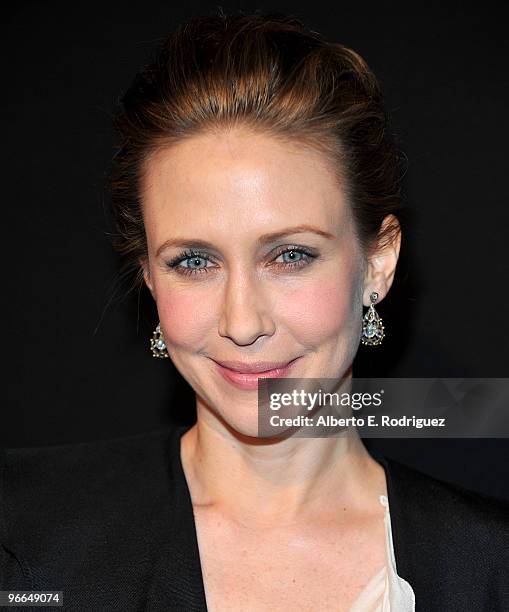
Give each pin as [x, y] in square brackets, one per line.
[190, 254]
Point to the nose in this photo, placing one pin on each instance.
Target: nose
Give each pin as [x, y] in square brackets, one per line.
[246, 313]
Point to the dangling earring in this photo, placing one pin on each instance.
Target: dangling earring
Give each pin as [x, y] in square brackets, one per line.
[157, 343]
[372, 328]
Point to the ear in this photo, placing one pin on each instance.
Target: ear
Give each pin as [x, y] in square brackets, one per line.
[382, 261]
[146, 275]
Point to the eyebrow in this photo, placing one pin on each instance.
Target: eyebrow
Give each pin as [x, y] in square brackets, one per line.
[262, 240]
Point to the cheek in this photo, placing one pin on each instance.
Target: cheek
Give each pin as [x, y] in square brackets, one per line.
[321, 310]
[183, 319]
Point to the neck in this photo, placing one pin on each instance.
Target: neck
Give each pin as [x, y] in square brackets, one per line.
[285, 483]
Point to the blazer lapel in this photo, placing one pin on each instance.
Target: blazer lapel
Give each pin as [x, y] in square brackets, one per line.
[177, 583]
[417, 534]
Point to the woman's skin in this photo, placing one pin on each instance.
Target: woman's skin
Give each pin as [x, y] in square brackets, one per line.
[304, 502]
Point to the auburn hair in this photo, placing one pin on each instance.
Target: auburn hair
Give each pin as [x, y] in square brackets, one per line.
[273, 75]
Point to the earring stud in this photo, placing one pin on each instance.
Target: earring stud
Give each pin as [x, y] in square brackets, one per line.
[372, 327]
[157, 343]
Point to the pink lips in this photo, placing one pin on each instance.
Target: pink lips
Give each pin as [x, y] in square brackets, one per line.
[238, 373]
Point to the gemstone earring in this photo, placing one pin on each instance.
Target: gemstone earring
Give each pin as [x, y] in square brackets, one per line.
[157, 343]
[372, 327]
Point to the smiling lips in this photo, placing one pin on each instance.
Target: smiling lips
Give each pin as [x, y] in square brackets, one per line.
[245, 376]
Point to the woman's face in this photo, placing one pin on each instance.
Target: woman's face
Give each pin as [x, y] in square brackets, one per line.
[252, 257]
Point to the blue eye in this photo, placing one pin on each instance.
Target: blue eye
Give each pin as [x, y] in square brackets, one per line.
[194, 262]
[293, 257]
[194, 259]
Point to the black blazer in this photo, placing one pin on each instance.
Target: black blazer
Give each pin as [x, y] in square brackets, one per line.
[110, 523]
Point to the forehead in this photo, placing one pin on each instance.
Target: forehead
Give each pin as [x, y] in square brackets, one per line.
[239, 180]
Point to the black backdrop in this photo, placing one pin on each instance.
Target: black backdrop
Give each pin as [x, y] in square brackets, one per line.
[78, 364]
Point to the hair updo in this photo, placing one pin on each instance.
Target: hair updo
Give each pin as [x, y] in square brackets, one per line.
[273, 75]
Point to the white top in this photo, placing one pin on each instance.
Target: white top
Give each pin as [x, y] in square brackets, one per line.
[386, 591]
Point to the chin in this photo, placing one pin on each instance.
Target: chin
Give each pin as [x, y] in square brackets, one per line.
[241, 421]
[245, 424]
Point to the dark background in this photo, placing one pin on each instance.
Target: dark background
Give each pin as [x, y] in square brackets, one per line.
[77, 360]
